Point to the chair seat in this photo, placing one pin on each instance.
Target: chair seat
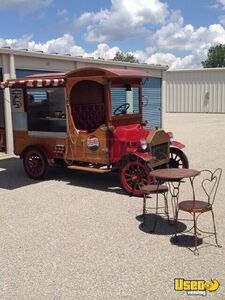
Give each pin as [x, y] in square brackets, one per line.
[194, 206]
[154, 189]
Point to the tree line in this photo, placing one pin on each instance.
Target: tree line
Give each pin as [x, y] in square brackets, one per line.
[215, 57]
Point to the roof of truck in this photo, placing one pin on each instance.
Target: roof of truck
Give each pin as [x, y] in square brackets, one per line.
[89, 71]
[58, 79]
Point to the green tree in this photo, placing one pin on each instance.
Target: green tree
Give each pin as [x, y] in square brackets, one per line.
[120, 56]
[216, 57]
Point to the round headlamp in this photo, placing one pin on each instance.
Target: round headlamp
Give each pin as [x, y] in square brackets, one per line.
[144, 144]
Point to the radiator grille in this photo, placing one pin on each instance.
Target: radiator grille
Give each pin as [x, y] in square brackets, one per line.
[161, 151]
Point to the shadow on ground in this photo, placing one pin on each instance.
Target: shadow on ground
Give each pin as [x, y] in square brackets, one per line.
[13, 176]
[162, 225]
[186, 241]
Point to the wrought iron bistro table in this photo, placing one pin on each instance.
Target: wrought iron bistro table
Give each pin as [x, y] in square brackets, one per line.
[174, 176]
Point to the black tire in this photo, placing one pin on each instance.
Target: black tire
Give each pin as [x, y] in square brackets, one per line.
[178, 159]
[35, 163]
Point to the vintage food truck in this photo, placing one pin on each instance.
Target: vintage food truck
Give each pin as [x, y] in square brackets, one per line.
[88, 119]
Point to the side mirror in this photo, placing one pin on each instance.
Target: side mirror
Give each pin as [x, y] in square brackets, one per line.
[144, 123]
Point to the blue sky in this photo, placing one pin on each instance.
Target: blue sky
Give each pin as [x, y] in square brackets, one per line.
[172, 32]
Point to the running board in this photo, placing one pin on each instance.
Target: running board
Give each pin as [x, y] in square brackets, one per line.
[89, 169]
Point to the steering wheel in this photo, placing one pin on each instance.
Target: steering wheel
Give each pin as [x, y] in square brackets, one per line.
[121, 110]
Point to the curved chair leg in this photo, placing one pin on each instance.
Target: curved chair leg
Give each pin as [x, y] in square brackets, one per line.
[156, 213]
[176, 218]
[166, 206]
[215, 233]
[144, 209]
[195, 235]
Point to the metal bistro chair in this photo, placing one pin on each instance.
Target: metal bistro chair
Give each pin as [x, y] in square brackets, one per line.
[197, 207]
[154, 189]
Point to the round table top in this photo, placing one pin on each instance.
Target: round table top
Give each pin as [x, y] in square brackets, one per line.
[174, 173]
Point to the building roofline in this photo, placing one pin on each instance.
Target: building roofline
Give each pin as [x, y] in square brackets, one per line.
[65, 57]
[197, 70]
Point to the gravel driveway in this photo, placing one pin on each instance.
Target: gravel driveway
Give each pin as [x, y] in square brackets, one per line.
[78, 236]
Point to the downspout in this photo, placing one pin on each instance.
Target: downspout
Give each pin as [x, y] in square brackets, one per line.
[163, 97]
[8, 72]
[12, 66]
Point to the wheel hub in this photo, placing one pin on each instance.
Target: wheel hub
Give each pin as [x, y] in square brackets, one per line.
[34, 162]
[136, 178]
[174, 163]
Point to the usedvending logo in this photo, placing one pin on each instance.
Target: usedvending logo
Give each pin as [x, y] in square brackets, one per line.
[196, 287]
[93, 143]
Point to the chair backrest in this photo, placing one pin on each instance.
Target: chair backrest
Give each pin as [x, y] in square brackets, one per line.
[210, 183]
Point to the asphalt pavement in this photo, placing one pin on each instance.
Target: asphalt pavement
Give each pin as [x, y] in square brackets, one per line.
[77, 235]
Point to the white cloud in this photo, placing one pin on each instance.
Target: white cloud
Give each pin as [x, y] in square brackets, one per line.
[125, 18]
[25, 6]
[66, 44]
[217, 5]
[174, 62]
[61, 45]
[222, 2]
[104, 51]
[176, 36]
[15, 43]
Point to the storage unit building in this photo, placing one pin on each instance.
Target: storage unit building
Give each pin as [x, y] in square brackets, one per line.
[194, 91]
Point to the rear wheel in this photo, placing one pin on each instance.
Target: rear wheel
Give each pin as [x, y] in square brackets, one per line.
[35, 163]
[178, 159]
[133, 175]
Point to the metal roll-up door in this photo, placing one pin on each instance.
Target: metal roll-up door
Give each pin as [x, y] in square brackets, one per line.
[20, 73]
[135, 100]
[152, 102]
[118, 97]
[2, 118]
[2, 115]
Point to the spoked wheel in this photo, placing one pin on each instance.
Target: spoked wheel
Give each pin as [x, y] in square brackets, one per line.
[35, 163]
[133, 175]
[178, 159]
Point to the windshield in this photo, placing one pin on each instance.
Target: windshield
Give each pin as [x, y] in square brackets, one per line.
[124, 101]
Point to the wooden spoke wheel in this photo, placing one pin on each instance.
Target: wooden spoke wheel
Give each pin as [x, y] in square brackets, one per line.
[178, 159]
[134, 174]
[35, 163]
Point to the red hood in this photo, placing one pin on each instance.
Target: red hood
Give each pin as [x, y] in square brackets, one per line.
[130, 133]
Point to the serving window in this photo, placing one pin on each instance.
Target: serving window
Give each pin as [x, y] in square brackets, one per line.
[46, 109]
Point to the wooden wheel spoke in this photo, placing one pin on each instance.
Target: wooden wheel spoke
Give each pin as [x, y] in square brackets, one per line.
[128, 175]
[35, 163]
[133, 176]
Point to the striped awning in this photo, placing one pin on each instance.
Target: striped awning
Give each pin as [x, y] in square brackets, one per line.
[32, 83]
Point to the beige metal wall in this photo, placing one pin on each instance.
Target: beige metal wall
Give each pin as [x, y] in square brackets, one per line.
[194, 91]
[43, 61]
[37, 63]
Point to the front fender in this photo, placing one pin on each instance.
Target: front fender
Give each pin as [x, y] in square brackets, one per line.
[177, 144]
[142, 156]
[40, 147]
